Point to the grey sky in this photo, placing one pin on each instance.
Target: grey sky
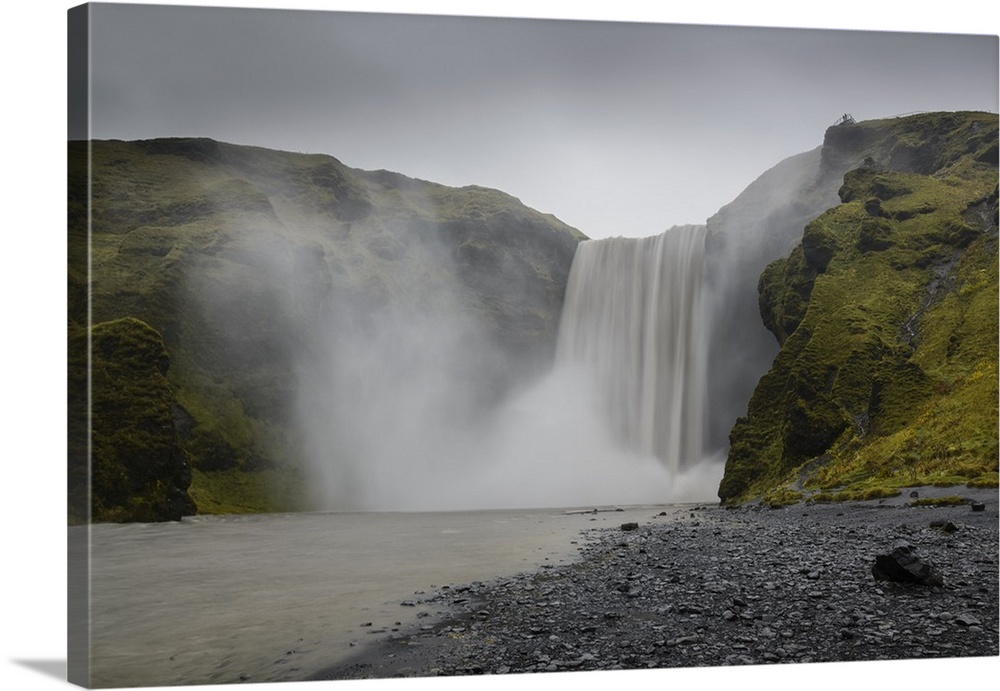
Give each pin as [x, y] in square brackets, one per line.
[616, 128]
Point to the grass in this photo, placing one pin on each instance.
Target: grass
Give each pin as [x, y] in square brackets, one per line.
[782, 496]
[234, 491]
[855, 494]
[984, 481]
[939, 501]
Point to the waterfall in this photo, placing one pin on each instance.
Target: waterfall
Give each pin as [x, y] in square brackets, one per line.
[633, 322]
[618, 419]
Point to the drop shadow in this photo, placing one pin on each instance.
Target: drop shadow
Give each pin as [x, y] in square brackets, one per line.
[50, 668]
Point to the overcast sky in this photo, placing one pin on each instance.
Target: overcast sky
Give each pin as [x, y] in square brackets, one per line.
[617, 128]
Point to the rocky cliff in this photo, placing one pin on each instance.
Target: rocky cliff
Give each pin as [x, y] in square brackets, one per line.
[885, 313]
[253, 265]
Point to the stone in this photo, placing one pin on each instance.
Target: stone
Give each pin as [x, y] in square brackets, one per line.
[903, 565]
[630, 526]
[945, 526]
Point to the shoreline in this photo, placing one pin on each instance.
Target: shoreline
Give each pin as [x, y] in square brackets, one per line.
[714, 586]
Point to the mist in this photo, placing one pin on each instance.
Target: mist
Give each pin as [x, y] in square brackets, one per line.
[764, 223]
[411, 404]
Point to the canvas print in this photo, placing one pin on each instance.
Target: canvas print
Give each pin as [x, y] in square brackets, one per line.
[420, 346]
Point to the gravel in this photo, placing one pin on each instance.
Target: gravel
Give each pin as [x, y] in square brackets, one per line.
[715, 587]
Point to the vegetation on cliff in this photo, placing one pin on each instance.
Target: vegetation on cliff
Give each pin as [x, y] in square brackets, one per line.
[886, 316]
[138, 470]
[249, 263]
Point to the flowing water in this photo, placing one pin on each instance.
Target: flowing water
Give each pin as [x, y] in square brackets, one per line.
[633, 323]
[220, 599]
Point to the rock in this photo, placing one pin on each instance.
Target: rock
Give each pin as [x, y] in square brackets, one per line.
[630, 526]
[978, 506]
[966, 620]
[945, 526]
[902, 565]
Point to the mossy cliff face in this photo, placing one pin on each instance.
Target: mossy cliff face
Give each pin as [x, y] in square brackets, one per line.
[138, 470]
[250, 262]
[886, 316]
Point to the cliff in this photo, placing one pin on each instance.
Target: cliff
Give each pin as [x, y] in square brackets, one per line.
[885, 313]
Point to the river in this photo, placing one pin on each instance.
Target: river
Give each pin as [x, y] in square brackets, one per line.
[268, 598]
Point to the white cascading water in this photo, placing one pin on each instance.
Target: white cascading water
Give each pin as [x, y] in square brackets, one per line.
[633, 321]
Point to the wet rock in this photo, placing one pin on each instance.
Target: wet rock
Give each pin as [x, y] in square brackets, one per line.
[630, 526]
[903, 565]
[966, 620]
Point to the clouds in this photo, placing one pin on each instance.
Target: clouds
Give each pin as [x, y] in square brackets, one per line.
[616, 128]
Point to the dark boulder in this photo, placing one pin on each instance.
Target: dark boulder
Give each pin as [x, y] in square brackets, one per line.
[903, 565]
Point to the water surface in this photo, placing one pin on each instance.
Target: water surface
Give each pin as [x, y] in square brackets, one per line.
[220, 599]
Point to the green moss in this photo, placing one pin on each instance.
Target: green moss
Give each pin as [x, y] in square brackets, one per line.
[138, 470]
[785, 287]
[856, 494]
[233, 491]
[874, 235]
[782, 496]
[939, 501]
[819, 245]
